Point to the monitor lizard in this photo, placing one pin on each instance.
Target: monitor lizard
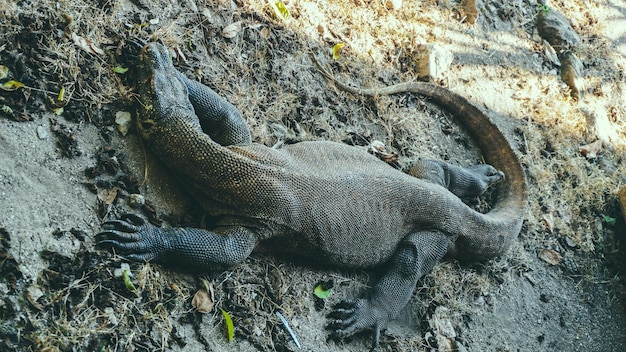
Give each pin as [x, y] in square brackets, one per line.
[330, 201]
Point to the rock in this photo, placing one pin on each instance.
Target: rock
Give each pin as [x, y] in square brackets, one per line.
[431, 61]
[568, 242]
[556, 30]
[550, 256]
[122, 120]
[571, 73]
[470, 10]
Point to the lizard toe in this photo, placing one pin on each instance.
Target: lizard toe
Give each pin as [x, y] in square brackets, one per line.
[120, 236]
[133, 219]
[143, 257]
[120, 225]
[125, 247]
[342, 310]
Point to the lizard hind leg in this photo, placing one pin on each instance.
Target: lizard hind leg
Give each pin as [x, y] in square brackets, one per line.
[417, 254]
[463, 182]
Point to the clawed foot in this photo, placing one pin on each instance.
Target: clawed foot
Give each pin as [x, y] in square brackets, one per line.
[485, 176]
[133, 237]
[352, 316]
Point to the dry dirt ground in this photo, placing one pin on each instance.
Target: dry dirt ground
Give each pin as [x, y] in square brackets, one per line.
[64, 167]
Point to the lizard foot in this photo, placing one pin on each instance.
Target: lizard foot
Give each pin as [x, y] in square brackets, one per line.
[133, 237]
[353, 316]
[486, 175]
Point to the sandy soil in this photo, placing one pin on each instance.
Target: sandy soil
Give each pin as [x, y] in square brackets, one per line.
[63, 171]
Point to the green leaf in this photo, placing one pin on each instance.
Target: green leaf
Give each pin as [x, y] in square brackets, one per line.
[10, 86]
[336, 49]
[280, 10]
[609, 220]
[119, 69]
[129, 284]
[321, 293]
[230, 328]
[7, 110]
[4, 72]
[61, 95]
[58, 112]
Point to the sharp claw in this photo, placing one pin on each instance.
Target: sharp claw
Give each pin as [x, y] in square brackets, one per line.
[143, 257]
[133, 219]
[340, 314]
[109, 243]
[121, 225]
[120, 236]
[501, 176]
[376, 338]
[138, 42]
[346, 303]
[340, 324]
[132, 248]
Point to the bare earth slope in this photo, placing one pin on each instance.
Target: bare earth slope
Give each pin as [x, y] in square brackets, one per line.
[62, 173]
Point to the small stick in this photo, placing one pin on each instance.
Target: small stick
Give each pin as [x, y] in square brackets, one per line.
[286, 324]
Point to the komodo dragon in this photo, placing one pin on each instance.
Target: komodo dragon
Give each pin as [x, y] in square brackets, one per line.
[326, 200]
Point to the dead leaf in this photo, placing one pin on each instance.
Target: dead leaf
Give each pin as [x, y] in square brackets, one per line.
[10, 86]
[33, 293]
[591, 150]
[86, 44]
[203, 301]
[549, 256]
[107, 195]
[231, 30]
[549, 220]
[265, 33]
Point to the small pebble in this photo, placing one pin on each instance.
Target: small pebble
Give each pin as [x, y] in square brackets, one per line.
[136, 200]
[42, 133]
[393, 4]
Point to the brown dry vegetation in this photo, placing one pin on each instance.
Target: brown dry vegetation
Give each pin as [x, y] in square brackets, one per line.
[57, 292]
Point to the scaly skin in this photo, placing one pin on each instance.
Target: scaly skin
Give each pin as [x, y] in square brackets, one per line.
[326, 200]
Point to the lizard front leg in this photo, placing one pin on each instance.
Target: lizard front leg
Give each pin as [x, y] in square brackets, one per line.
[220, 119]
[417, 254]
[187, 247]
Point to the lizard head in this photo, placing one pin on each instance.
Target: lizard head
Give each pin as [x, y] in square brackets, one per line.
[162, 91]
